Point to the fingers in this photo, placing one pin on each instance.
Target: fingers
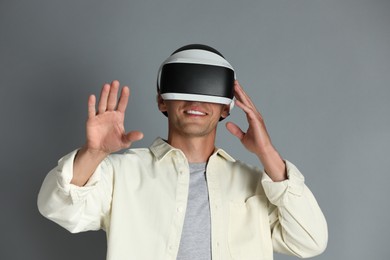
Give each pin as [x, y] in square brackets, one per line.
[124, 98]
[240, 95]
[109, 96]
[113, 95]
[102, 107]
[132, 137]
[244, 102]
[91, 106]
[243, 106]
[235, 130]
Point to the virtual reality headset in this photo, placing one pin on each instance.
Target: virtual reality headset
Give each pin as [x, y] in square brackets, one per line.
[197, 72]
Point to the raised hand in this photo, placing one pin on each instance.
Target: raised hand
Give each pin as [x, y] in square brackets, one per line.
[105, 131]
[105, 128]
[256, 139]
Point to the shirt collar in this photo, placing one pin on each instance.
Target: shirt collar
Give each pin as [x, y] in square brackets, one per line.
[224, 154]
[160, 148]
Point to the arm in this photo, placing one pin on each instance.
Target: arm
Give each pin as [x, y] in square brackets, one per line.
[298, 226]
[257, 139]
[77, 193]
[105, 131]
[76, 208]
[297, 223]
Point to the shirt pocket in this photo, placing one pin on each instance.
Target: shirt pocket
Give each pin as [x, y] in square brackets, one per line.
[249, 234]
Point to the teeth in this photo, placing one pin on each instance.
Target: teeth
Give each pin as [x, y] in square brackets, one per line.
[194, 112]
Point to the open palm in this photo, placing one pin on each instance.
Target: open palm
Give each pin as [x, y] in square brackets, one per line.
[105, 127]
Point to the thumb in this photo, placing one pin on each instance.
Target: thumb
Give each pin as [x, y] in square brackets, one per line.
[134, 136]
[235, 130]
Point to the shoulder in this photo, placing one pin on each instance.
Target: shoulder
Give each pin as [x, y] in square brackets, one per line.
[246, 170]
[134, 155]
[236, 168]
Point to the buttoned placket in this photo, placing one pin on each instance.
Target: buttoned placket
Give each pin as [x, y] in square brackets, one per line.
[183, 178]
[215, 212]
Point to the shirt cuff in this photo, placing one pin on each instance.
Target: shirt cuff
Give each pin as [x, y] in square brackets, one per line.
[65, 175]
[278, 193]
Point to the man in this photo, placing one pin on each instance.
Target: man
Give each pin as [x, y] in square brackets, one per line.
[182, 198]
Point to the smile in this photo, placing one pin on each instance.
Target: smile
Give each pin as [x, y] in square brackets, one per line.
[195, 112]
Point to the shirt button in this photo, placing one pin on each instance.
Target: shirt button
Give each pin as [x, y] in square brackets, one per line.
[171, 247]
[179, 209]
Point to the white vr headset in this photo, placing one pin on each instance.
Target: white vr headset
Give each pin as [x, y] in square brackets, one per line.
[197, 72]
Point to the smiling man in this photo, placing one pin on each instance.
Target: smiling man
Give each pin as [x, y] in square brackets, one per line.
[184, 198]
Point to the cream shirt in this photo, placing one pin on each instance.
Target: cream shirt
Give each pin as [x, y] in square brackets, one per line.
[139, 198]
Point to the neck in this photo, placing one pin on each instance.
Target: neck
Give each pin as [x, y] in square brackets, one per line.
[196, 149]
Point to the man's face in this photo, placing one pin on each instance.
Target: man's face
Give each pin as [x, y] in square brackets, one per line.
[192, 118]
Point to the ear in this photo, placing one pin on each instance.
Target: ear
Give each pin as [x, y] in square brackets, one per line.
[225, 111]
[161, 103]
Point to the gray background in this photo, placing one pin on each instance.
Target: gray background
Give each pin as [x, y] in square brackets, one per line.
[318, 71]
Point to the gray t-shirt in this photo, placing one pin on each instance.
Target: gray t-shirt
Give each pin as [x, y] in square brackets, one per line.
[195, 240]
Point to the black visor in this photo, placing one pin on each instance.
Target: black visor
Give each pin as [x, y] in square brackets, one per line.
[199, 82]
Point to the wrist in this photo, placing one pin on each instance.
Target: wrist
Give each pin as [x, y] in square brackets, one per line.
[85, 163]
[274, 165]
[91, 155]
[92, 152]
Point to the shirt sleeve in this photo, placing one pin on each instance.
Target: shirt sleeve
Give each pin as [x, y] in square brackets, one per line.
[297, 223]
[76, 208]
